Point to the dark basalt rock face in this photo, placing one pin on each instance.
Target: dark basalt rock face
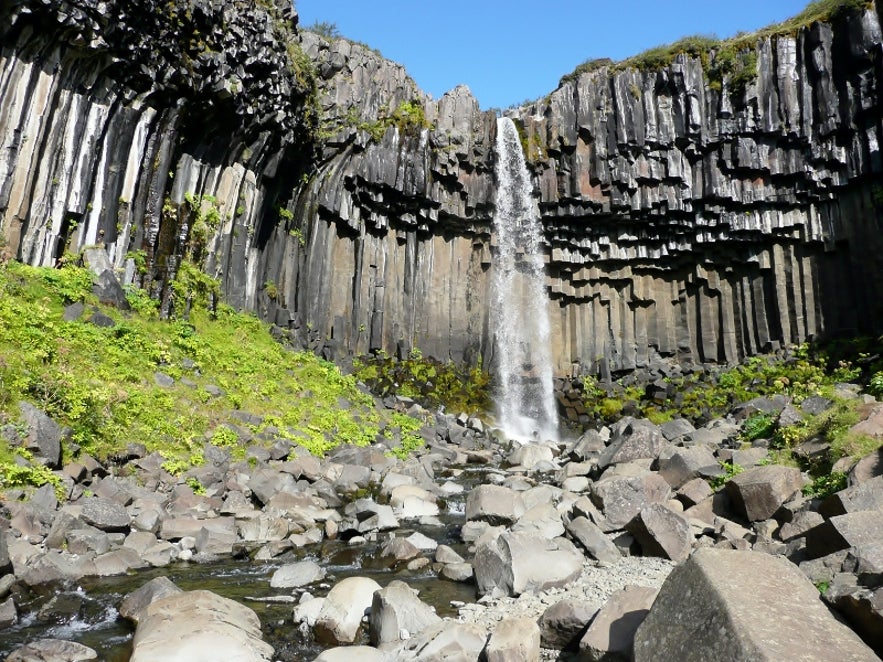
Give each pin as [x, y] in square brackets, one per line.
[683, 222]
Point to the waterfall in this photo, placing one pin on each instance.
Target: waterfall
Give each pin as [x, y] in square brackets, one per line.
[525, 399]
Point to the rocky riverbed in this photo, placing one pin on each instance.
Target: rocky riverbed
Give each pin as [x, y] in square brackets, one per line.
[474, 545]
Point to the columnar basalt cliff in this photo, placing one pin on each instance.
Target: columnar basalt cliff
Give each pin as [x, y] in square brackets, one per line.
[684, 217]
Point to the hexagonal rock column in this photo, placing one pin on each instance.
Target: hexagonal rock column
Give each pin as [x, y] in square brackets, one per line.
[740, 607]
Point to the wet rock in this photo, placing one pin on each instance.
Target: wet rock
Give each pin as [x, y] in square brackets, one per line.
[514, 640]
[611, 634]
[52, 650]
[396, 609]
[458, 572]
[514, 563]
[8, 613]
[759, 492]
[412, 502]
[341, 615]
[134, 604]
[398, 550]
[198, 625]
[564, 623]
[530, 456]
[755, 606]
[295, 575]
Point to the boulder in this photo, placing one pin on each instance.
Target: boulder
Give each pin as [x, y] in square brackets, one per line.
[199, 626]
[295, 575]
[621, 497]
[632, 439]
[138, 600]
[759, 492]
[52, 650]
[105, 514]
[543, 519]
[342, 612]
[862, 609]
[844, 531]
[514, 640]
[396, 610]
[686, 464]
[8, 613]
[867, 495]
[612, 632]
[662, 532]
[494, 504]
[447, 640]
[594, 540]
[514, 563]
[564, 623]
[742, 605]
[530, 455]
[44, 435]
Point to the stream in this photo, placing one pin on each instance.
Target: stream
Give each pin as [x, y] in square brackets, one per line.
[86, 611]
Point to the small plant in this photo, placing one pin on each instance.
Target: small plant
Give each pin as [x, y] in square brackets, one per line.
[758, 426]
[271, 290]
[730, 469]
[826, 485]
[197, 487]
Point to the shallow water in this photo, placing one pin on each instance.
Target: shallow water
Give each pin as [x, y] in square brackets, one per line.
[86, 611]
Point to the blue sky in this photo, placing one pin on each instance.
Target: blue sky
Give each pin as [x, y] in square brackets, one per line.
[507, 51]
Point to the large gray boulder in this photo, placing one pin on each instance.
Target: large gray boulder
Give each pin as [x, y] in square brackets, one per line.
[134, 604]
[397, 613]
[514, 640]
[594, 540]
[564, 623]
[621, 497]
[612, 632]
[759, 492]
[514, 563]
[742, 606]
[199, 626]
[105, 514]
[662, 532]
[632, 439]
[44, 435]
[343, 609]
[844, 531]
[447, 640]
[686, 464]
[494, 504]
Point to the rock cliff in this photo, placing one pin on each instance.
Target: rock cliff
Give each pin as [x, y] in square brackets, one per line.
[686, 217]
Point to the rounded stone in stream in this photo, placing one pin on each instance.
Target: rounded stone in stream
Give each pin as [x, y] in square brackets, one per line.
[52, 650]
[297, 574]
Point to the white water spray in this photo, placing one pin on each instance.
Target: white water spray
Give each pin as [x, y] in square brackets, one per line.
[523, 357]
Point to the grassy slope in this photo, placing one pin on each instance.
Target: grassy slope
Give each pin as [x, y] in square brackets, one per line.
[100, 381]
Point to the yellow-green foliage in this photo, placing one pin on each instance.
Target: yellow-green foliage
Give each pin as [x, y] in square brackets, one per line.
[430, 382]
[409, 117]
[404, 428]
[100, 381]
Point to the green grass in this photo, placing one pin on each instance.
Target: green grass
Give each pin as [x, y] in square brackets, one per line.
[100, 381]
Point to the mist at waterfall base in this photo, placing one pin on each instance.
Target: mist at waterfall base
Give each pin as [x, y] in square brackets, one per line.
[525, 402]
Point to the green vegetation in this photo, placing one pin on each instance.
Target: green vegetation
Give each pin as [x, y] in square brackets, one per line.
[730, 469]
[428, 381]
[404, 428]
[99, 381]
[324, 29]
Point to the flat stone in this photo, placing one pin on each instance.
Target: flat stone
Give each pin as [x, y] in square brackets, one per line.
[52, 650]
[844, 531]
[295, 575]
[105, 514]
[734, 605]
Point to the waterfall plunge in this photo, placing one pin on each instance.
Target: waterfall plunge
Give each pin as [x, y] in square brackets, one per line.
[523, 358]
